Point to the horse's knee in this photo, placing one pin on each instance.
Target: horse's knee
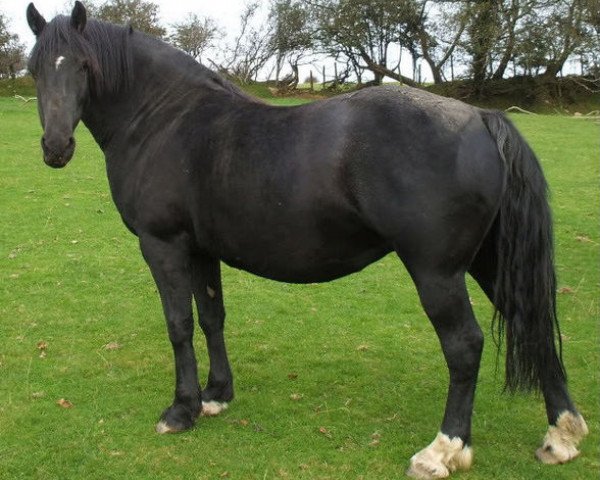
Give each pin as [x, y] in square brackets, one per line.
[181, 330]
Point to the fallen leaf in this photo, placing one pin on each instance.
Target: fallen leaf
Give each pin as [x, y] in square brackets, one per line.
[376, 437]
[362, 348]
[41, 345]
[584, 239]
[224, 475]
[296, 396]
[325, 432]
[292, 376]
[64, 403]
[112, 346]
[566, 290]
[244, 422]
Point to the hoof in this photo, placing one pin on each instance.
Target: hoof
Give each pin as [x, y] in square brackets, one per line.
[176, 418]
[560, 443]
[442, 457]
[164, 427]
[213, 408]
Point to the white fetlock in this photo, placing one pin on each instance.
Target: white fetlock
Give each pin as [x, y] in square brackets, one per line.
[213, 408]
[163, 427]
[442, 457]
[561, 440]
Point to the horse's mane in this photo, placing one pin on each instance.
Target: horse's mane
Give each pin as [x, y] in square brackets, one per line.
[106, 49]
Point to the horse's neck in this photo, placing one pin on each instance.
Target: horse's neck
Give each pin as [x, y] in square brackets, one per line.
[160, 85]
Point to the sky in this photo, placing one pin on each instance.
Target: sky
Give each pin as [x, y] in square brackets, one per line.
[225, 12]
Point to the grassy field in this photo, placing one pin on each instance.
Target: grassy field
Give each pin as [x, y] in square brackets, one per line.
[344, 380]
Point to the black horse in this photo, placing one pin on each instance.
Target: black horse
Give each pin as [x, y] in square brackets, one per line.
[201, 172]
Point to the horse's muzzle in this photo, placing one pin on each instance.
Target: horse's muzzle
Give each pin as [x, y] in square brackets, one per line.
[57, 153]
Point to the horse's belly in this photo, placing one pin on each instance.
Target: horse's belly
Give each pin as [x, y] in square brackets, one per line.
[303, 258]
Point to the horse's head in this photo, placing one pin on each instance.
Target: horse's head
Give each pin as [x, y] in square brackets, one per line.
[60, 67]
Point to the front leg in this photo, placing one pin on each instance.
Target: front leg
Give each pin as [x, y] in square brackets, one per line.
[169, 262]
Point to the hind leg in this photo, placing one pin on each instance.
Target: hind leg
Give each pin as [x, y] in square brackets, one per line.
[566, 426]
[208, 293]
[446, 302]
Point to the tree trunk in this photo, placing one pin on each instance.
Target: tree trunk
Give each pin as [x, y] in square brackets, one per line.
[381, 71]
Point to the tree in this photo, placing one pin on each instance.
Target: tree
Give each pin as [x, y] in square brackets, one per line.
[12, 52]
[195, 35]
[564, 33]
[140, 14]
[483, 31]
[511, 13]
[589, 50]
[364, 31]
[438, 33]
[293, 35]
[251, 50]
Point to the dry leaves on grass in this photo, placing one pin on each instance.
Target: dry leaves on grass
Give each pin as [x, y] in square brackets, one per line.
[112, 346]
[585, 239]
[64, 403]
[375, 439]
[42, 346]
[567, 290]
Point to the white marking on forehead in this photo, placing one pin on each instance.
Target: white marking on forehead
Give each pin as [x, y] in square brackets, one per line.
[59, 60]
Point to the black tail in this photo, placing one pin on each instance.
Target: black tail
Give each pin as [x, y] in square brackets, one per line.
[525, 285]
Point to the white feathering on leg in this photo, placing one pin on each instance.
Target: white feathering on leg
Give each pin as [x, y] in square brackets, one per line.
[442, 457]
[561, 440]
[213, 408]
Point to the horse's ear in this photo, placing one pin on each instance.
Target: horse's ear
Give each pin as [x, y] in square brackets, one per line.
[78, 17]
[35, 20]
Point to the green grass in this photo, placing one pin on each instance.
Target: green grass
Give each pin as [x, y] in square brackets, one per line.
[359, 351]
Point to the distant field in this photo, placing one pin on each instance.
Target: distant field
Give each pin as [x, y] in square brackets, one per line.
[343, 380]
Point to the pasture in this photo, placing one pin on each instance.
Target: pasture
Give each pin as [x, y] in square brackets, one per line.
[338, 380]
